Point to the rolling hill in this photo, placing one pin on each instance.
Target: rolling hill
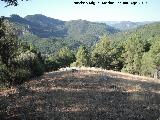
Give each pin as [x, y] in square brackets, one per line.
[146, 32]
[49, 34]
[126, 25]
[46, 27]
[41, 26]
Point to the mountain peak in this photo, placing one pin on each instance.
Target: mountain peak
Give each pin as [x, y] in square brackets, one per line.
[15, 16]
[46, 27]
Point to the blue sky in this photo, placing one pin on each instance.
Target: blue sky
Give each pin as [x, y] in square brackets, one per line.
[67, 10]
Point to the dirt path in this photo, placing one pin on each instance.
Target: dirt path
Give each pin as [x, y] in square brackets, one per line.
[83, 95]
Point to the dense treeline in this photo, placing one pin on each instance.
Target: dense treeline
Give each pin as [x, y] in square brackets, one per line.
[21, 60]
[134, 55]
[18, 61]
[63, 58]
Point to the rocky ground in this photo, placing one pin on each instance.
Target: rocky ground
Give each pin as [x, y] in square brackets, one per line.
[83, 95]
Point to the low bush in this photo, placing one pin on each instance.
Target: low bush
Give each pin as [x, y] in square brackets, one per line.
[32, 62]
[20, 75]
[4, 74]
[38, 68]
[51, 65]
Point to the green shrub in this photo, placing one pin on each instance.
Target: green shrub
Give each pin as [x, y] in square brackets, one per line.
[75, 64]
[51, 65]
[20, 75]
[32, 62]
[82, 57]
[4, 74]
[38, 68]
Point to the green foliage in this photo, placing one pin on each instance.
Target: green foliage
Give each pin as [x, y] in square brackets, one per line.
[141, 54]
[147, 32]
[75, 64]
[51, 64]
[82, 57]
[4, 74]
[117, 62]
[19, 76]
[79, 29]
[107, 54]
[50, 35]
[38, 68]
[30, 60]
[155, 51]
[147, 67]
[8, 43]
[151, 59]
[134, 49]
[44, 45]
[63, 58]
[2, 27]
[101, 56]
[18, 62]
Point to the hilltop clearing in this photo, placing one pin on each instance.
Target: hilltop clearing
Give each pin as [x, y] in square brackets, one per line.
[83, 94]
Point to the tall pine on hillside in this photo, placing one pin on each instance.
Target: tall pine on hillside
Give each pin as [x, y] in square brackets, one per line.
[134, 50]
[82, 57]
[101, 55]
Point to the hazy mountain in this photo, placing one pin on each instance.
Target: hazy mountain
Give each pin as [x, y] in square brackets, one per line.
[41, 26]
[147, 31]
[46, 27]
[50, 34]
[126, 25]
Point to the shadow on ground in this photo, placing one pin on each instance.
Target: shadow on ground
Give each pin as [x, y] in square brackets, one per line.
[82, 95]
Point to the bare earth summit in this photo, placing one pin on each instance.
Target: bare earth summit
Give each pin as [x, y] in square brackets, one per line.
[83, 95]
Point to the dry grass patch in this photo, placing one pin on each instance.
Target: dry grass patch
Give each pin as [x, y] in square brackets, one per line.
[83, 95]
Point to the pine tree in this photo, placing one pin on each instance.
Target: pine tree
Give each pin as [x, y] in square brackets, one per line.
[134, 50]
[101, 55]
[65, 57]
[8, 43]
[82, 57]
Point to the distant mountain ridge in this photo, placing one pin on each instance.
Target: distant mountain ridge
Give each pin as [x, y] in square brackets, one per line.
[147, 31]
[46, 27]
[126, 25]
[49, 35]
[40, 25]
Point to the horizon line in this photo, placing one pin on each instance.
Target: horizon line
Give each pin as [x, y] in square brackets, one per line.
[100, 21]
